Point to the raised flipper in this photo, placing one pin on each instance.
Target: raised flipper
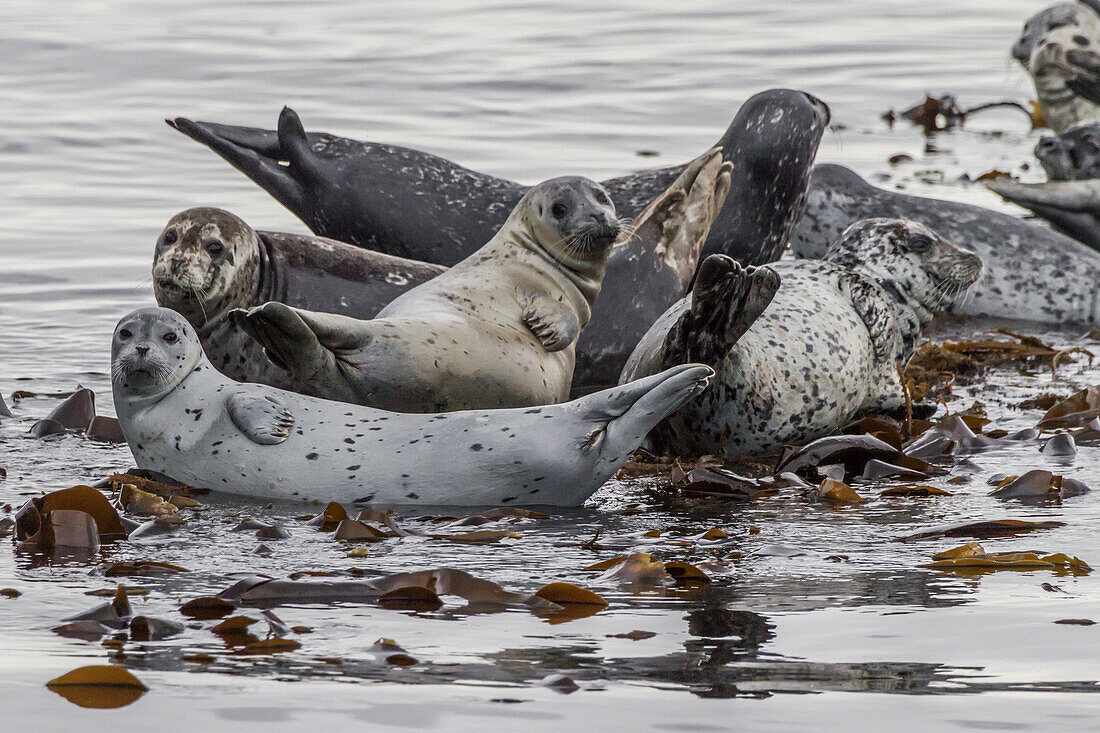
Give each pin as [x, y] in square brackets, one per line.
[725, 301]
[554, 325]
[679, 220]
[304, 343]
[258, 413]
[251, 152]
[622, 416]
[294, 144]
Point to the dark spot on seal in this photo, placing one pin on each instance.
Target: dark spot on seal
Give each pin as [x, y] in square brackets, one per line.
[311, 456]
[476, 447]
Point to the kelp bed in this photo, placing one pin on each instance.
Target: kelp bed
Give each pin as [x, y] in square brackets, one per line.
[908, 554]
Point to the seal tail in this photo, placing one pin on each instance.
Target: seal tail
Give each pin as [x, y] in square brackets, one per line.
[725, 301]
[252, 151]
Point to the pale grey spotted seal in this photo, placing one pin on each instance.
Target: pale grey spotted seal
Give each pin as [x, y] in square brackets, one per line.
[499, 329]
[802, 346]
[208, 261]
[183, 418]
[1031, 273]
[1058, 47]
[414, 204]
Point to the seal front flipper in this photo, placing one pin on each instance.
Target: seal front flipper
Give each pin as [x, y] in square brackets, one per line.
[679, 220]
[554, 325]
[870, 305]
[259, 414]
[725, 301]
[258, 163]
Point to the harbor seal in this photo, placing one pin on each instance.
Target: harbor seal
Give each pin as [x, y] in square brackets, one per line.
[1070, 200]
[498, 329]
[208, 261]
[413, 204]
[827, 347]
[1058, 48]
[646, 274]
[1031, 273]
[183, 418]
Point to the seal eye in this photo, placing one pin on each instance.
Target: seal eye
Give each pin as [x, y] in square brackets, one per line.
[557, 210]
[920, 243]
[124, 335]
[171, 337]
[170, 236]
[215, 248]
[602, 198]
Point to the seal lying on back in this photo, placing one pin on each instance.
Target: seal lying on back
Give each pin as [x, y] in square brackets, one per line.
[498, 329]
[1058, 48]
[414, 204]
[183, 418]
[1070, 201]
[827, 347]
[208, 262]
[1031, 273]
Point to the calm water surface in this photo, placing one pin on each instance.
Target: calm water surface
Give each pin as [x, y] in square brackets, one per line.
[526, 90]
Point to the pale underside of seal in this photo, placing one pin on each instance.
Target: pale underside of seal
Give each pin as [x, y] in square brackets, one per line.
[184, 419]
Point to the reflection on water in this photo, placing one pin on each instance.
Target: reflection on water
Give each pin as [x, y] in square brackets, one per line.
[527, 91]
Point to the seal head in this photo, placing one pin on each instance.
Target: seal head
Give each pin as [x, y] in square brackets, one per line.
[571, 220]
[1072, 155]
[206, 262]
[1060, 15]
[152, 351]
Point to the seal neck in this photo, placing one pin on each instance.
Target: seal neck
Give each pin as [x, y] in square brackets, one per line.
[585, 275]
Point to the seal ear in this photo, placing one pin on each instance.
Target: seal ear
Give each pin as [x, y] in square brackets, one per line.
[257, 413]
[725, 301]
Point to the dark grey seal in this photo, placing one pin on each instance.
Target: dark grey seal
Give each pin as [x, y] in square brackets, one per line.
[1031, 273]
[414, 204]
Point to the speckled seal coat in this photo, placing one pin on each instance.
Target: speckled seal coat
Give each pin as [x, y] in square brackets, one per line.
[826, 347]
[499, 329]
[414, 204]
[1058, 48]
[1031, 273]
[208, 261]
[183, 418]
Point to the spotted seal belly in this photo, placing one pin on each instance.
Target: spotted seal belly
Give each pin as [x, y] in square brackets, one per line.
[801, 346]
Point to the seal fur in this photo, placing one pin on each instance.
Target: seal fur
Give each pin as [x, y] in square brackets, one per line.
[802, 346]
[183, 418]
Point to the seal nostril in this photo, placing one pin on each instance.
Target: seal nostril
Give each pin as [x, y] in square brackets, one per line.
[141, 350]
[177, 263]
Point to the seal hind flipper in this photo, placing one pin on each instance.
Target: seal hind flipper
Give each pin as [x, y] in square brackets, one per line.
[262, 168]
[725, 301]
[679, 220]
[259, 415]
[287, 337]
[555, 326]
[295, 146]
